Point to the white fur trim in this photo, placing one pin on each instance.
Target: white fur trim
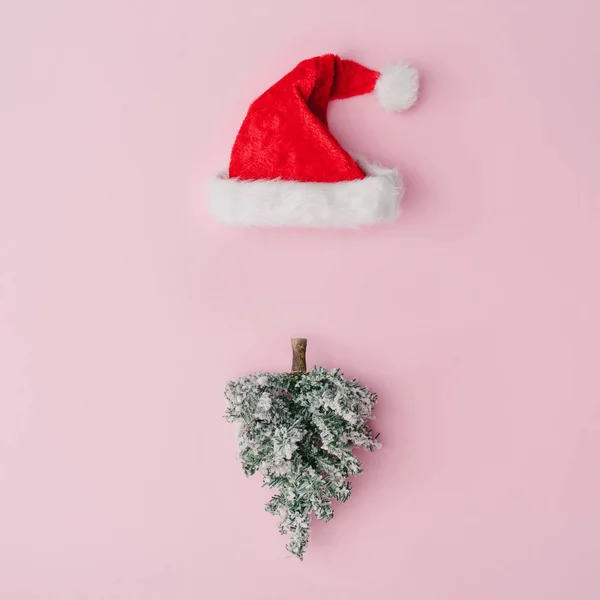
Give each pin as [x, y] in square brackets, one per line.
[397, 87]
[278, 203]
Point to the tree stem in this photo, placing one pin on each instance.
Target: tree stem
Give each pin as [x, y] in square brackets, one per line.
[299, 356]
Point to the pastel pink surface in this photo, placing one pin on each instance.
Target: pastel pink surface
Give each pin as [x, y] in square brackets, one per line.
[124, 309]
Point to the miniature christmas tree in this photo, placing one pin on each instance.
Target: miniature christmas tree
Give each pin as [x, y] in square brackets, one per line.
[299, 430]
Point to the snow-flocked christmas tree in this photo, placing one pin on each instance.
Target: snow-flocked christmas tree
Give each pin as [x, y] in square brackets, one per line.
[299, 430]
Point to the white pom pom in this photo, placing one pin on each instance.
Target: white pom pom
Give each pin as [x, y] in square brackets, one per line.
[397, 87]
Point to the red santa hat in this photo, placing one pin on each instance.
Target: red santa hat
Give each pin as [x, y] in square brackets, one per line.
[286, 167]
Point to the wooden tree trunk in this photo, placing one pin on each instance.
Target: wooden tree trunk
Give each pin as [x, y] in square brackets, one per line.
[299, 357]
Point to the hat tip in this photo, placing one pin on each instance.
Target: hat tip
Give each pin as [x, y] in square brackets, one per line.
[397, 88]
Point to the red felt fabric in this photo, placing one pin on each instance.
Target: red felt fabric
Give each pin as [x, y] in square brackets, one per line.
[285, 133]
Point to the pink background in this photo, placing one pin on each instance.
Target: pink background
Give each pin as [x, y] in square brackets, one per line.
[124, 309]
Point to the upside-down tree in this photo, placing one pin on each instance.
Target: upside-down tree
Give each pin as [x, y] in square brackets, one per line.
[299, 430]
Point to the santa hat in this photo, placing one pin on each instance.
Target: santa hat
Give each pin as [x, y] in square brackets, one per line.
[287, 169]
